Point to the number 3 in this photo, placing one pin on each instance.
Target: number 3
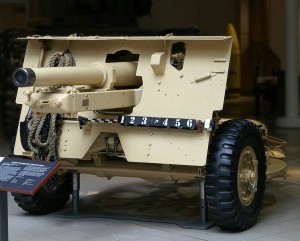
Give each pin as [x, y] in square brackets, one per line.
[144, 121]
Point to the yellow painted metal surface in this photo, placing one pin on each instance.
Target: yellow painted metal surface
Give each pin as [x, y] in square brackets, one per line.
[193, 91]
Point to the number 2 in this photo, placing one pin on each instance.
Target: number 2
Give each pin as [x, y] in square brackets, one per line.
[132, 119]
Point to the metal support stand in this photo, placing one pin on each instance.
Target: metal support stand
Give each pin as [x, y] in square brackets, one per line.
[196, 222]
[75, 194]
[74, 211]
[203, 223]
[203, 204]
[3, 216]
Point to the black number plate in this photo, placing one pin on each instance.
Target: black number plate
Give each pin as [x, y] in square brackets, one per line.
[159, 122]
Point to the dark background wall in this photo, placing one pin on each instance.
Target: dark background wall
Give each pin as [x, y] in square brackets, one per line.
[253, 20]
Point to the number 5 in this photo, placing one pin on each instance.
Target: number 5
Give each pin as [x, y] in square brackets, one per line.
[177, 123]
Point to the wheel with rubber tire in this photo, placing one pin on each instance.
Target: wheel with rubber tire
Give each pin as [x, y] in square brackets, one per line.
[236, 175]
[51, 197]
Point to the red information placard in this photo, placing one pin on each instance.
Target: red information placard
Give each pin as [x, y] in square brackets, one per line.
[24, 175]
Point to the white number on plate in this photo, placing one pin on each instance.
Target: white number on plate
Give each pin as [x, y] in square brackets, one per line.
[144, 121]
[189, 123]
[132, 119]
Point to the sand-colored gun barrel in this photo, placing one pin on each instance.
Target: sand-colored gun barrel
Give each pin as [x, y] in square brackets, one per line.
[95, 74]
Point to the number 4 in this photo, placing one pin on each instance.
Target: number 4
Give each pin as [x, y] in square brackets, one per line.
[165, 123]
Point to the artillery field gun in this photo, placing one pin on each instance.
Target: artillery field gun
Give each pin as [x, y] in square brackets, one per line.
[141, 107]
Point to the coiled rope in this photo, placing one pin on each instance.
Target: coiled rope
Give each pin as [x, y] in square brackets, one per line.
[59, 59]
[43, 129]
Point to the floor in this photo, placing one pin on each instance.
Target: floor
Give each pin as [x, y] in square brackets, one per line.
[279, 219]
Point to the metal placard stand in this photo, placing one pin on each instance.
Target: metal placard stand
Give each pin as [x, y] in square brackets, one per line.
[16, 178]
[3, 216]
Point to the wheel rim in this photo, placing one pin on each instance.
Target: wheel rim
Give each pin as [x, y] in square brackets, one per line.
[247, 175]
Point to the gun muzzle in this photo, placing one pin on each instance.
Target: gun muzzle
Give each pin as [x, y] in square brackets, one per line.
[24, 77]
[121, 74]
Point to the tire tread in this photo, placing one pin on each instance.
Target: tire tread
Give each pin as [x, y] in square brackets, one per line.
[221, 179]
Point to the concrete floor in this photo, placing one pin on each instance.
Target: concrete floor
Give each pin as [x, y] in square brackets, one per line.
[279, 219]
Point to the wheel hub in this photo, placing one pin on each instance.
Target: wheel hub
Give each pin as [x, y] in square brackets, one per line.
[247, 175]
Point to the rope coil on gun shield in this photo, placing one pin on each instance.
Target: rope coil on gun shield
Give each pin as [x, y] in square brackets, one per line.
[43, 131]
[59, 59]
